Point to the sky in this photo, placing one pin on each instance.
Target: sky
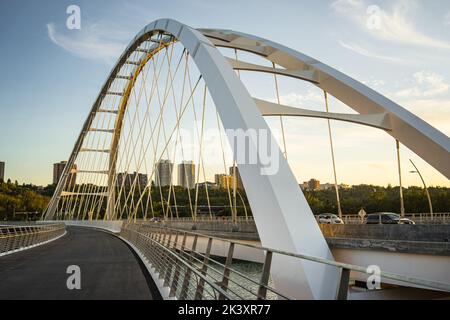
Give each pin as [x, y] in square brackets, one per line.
[52, 75]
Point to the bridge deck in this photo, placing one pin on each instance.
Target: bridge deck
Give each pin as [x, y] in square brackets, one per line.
[109, 270]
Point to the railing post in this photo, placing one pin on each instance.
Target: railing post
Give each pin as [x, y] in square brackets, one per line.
[160, 254]
[343, 284]
[201, 283]
[176, 276]
[175, 243]
[169, 265]
[262, 290]
[183, 243]
[187, 276]
[226, 271]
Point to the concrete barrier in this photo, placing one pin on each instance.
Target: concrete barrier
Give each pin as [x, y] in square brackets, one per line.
[111, 226]
[423, 233]
[220, 226]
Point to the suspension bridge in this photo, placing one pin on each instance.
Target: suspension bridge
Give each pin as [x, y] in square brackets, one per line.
[179, 103]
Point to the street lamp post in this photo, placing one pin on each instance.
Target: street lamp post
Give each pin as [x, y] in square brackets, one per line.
[243, 203]
[425, 186]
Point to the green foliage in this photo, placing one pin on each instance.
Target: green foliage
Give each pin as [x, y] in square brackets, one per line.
[219, 201]
[28, 198]
[379, 199]
[25, 198]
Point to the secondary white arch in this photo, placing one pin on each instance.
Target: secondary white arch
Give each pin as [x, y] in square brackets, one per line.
[427, 142]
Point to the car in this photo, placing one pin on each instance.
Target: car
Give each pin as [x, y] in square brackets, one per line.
[407, 221]
[156, 219]
[383, 218]
[329, 218]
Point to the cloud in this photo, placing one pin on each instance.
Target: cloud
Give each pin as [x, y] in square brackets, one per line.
[427, 85]
[394, 25]
[301, 100]
[95, 41]
[434, 111]
[447, 19]
[367, 53]
[347, 6]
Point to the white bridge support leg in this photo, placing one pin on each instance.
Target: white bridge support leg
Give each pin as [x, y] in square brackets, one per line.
[283, 217]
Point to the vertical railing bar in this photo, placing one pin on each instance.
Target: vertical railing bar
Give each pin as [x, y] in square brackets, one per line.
[187, 276]
[262, 290]
[201, 284]
[174, 285]
[342, 293]
[226, 271]
[169, 266]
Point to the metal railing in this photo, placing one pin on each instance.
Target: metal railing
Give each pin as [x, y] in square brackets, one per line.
[194, 273]
[418, 218]
[239, 219]
[14, 238]
[185, 281]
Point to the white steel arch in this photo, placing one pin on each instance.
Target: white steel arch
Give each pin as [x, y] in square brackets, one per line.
[427, 142]
[283, 217]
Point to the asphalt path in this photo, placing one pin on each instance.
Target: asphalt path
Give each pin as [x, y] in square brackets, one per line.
[109, 270]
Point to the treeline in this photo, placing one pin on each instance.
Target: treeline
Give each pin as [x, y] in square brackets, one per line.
[379, 199]
[15, 198]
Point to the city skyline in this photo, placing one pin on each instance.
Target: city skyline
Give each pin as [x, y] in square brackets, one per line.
[386, 59]
[218, 178]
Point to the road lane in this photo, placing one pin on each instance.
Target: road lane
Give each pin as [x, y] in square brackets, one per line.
[109, 270]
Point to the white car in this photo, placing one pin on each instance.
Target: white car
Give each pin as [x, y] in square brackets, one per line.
[329, 218]
[407, 221]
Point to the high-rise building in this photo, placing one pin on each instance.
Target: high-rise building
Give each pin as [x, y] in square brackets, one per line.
[238, 180]
[58, 169]
[223, 181]
[186, 174]
[128, 179]
[311, 185]
[2, 171]
[163, 173]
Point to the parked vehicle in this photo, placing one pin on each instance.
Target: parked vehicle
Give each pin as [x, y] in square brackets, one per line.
[383, 218]
[329, 218]
[406, 221]
[387, 218]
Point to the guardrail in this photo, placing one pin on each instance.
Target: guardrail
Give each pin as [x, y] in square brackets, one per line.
[184, 280]
[213, 218]
[191, 273]
[418, 218]
[17, 238]
[113, 226]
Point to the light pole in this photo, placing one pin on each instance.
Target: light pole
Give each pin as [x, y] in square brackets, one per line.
[426, 189]
[243, 203]
[402, 204]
